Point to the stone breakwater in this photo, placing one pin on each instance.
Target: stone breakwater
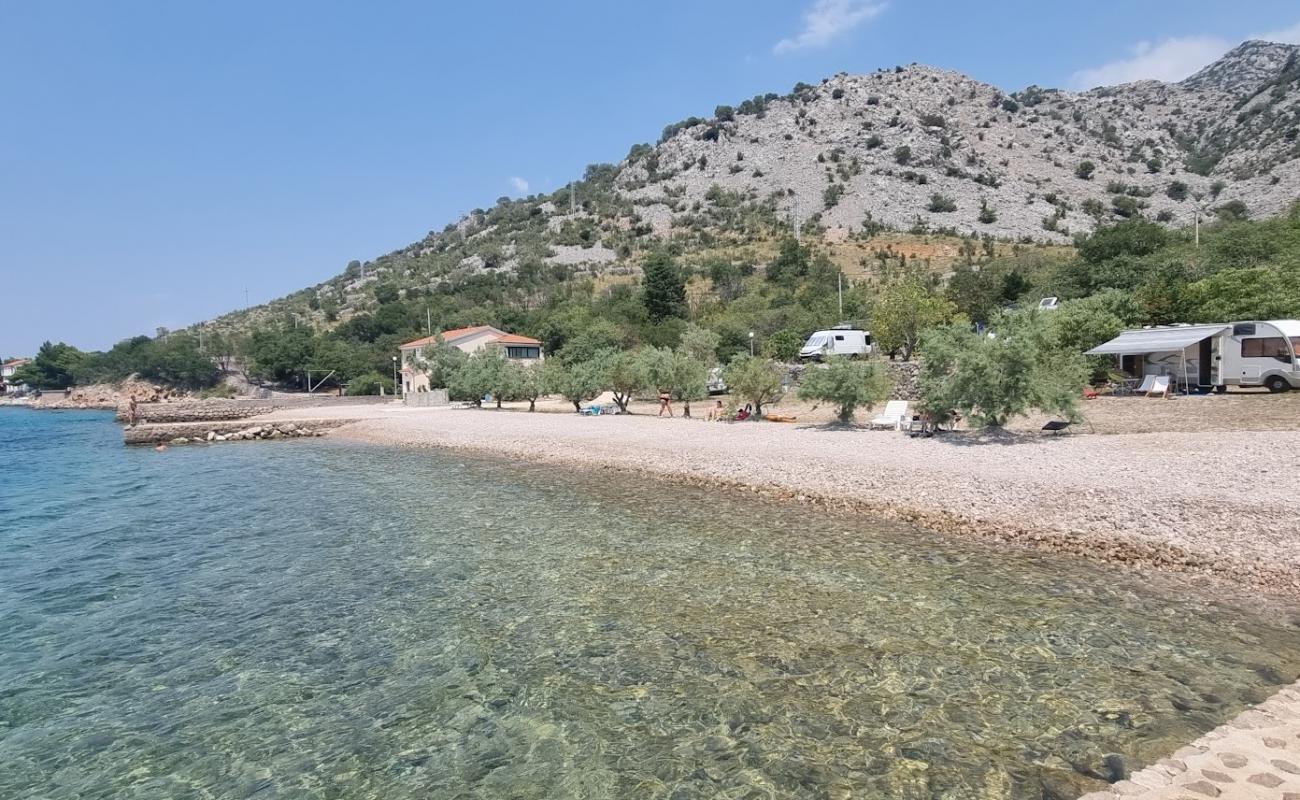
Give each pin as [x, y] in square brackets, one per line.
[1253, 756]
[197, 410]
[214, 432]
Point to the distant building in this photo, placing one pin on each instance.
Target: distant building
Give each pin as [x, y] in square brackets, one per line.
[415, 378]
[7, 370]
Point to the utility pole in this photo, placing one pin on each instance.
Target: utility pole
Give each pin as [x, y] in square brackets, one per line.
[573, 198]
[245, 297]
[428, 321]
[839, 284]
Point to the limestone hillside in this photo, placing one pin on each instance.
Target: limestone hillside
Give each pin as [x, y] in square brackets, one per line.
[910, 149]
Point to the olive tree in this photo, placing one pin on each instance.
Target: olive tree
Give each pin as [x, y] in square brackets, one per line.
[442, 361]
[992, 377]
[904, 309]
[627, 376]
[847, 384]
[485, 372]
[677, 372]
[754, 380]
[700, 344]
[580, 381]
[527, 382]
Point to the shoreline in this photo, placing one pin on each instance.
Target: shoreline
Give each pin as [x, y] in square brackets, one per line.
[1030, 496]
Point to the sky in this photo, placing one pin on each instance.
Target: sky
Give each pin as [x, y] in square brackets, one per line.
[162, 163]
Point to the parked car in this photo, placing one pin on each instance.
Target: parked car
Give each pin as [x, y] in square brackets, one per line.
[716, 384]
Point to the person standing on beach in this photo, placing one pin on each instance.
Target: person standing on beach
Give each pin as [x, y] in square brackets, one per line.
[665, 402]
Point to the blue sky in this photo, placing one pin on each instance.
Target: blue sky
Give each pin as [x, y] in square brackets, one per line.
[158, 160]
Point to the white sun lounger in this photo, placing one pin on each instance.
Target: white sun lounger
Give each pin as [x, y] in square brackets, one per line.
[1160, 387]
[1147, 383]
[894, 415]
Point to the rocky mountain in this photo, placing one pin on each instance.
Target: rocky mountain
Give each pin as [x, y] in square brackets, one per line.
[922, 148]
[910, 149]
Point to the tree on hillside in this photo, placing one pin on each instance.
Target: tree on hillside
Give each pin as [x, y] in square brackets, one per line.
[177, 361]
[784, 345]
[993, 377]
[1254, 293]
[700, 344]
[53, 367]
[664, 286]
[1135, 237]
[281, 353]
[903, 309]
[848, 384]
[791, 263]
[1080, 325]
[754, 380]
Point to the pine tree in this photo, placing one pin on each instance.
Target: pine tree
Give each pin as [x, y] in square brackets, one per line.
[664, 286]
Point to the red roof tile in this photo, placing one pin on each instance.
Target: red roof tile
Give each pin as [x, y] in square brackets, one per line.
[449, 336]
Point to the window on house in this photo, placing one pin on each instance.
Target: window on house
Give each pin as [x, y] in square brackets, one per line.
[518, 351]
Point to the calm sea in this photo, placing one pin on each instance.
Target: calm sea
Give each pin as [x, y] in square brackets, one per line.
[314, 619]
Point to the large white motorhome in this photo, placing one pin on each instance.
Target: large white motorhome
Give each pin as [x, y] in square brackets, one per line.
[1250, 353]
[842, 340]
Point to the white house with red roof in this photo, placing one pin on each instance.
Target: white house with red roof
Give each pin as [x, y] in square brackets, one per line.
[7, 370]
[517, 348]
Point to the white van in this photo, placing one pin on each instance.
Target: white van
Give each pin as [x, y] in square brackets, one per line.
[842, 340]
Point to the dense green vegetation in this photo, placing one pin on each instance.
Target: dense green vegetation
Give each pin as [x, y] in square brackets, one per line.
[722, 289]
[175, 360]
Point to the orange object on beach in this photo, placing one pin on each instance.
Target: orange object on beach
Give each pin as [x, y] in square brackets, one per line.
[779, 418]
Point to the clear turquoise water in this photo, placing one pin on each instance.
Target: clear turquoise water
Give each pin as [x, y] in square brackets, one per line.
[310, 619]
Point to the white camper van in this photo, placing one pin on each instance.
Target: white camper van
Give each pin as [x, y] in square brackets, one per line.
[1249, 353]
[1260, 354]
[843, 340]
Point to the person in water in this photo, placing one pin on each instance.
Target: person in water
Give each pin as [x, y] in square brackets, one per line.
[665, 403]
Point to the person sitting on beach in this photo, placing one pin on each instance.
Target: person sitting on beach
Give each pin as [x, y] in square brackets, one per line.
[665, 403]
[744, 413]
[715, 413]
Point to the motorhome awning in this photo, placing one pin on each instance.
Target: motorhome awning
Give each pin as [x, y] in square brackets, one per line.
[1156, 340]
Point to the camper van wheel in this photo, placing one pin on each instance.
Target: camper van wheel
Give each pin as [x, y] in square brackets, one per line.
[1276, 383]
[1221, 388]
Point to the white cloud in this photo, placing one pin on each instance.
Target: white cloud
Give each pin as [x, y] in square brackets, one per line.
[1169, 60]
[827, 20]
[1289, 35]
[520, 185]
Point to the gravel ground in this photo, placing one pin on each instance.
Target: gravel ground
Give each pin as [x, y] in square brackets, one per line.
[1217, 503]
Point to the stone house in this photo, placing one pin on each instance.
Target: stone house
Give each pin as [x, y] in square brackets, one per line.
[517, 348]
